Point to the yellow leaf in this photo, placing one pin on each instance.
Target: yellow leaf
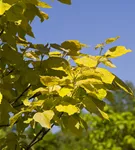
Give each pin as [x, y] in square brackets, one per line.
[64, 91]
[32, 55]
[26, 102]
[28, 120]
[4, 7]
[104, 115]
[39, 91]
[110, 40]
[106, 76]
[89, 81]
[88, 61]
[43, 4]
[1, 97]
[44, 118]
[43, 16]
[70, 109]
[117, 51]
[55, 54]
[38, 103]
[95, 91]
[106, 61]
[49, 81]
[99, 46]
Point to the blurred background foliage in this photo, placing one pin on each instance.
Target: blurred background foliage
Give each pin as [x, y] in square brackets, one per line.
[117, 133]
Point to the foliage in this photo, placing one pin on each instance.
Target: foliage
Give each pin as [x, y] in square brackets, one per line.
[39, 85]
[115, 134]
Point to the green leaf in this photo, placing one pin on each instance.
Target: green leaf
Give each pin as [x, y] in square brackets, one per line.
[93, 107]
[4, 7]
[15, 118]
[41, 47]
[117, 51]
[118, 82]
[65, 1]
[110, 96]
[70, 109]
[1, 97]
[73, 46]
[58, 47]
[44, 118]
[31, 55]
[15, 13]
[73, 124]
[110, 40]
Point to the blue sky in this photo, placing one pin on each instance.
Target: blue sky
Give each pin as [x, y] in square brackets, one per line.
[91, 22]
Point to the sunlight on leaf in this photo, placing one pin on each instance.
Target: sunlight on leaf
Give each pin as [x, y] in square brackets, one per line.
[1, 97]
[44, 118]
[70, 109]
[117, 51]
[110, 40]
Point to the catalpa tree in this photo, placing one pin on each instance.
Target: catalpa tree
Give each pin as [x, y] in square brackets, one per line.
[38, 83]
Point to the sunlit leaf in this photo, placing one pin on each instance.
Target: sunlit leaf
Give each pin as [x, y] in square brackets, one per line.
[117, 51]
[110, 40]
[43, 4]
[1, 97]
[99, 46]
[70, 109]
[64, 91]
[44, 118]
[106, 62]
[49, 81]
[106, 76]
[4, 7]
[88, 61]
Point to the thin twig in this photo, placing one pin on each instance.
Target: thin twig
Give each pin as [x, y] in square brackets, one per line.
[1, 32]
[35, 95]
[25, 90]
[4, 125]
[38, 134]
[43, 131]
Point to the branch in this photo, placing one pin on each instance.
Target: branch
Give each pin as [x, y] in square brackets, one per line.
[4, 125]
[42, 132]
[25, 90]
[38, 134]
[35, 95]
[1, 32]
